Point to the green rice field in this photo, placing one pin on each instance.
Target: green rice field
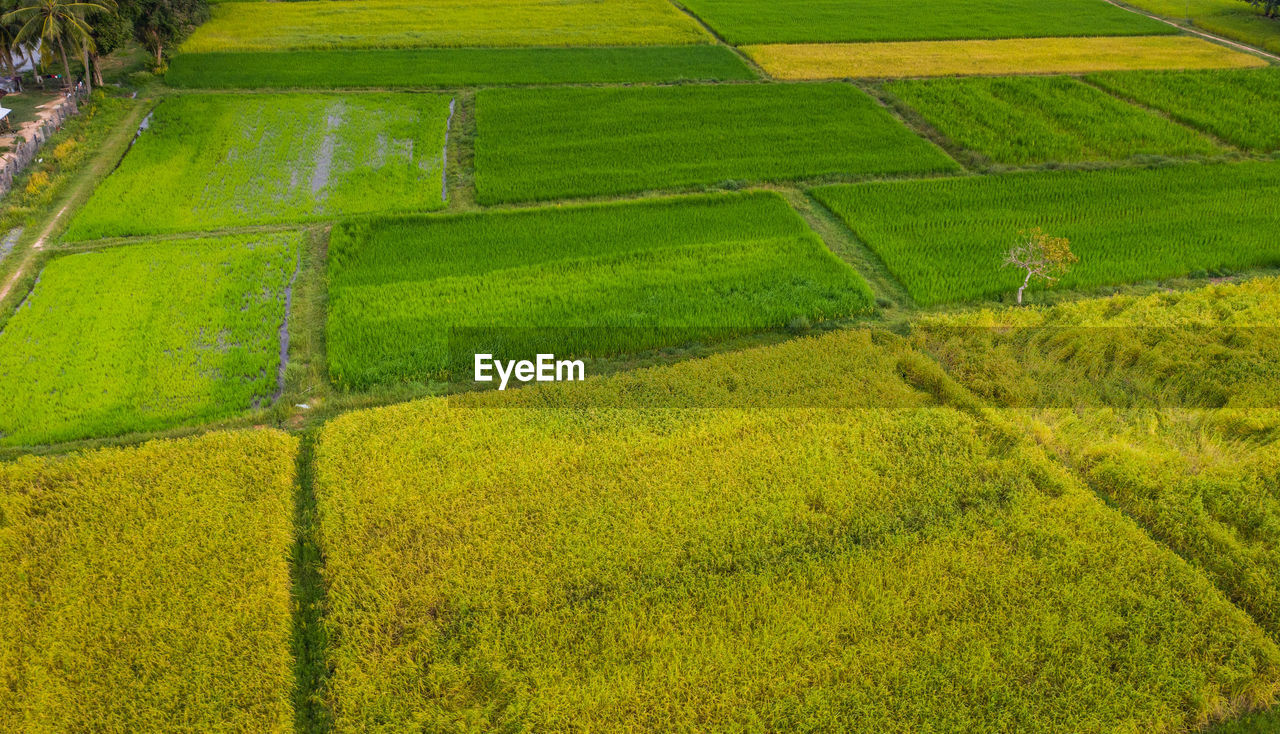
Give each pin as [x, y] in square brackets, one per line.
[1240, 107]
[320, 24]
[584, 281]
[827, 21]
[434, 67]
[625, 568]
[946, 240]
[537, 144]
[211, 161]
[145, 337]
[149, 587]
[1020, 121]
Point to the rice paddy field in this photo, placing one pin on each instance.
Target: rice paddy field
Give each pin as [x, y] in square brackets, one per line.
[709, 565]
[898, 59]
[144, 337]
[214, 161]
[414, 299]
[319, 24]
[946, 240]
[1166, 404]
[831, 21]
[434, 67]
[1020, 121]
[1240, 107]
[815, 471]
[149, 587]
[537, 144]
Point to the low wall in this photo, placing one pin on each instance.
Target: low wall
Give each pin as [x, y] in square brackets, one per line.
[25, 149]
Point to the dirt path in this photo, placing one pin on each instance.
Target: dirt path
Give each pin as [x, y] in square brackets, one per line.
[1218, 39]
[104, 160]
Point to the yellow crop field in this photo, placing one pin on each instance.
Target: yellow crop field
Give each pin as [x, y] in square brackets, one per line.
[1009, 56]
[266, 26]
[147, 589]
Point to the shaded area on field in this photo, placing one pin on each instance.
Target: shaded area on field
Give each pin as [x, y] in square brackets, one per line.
[564, 562]
[1015, 56]
[145, 337]
[946, 240]
[218, 160]
[825, 21]
[147, 589]
[538, 144]
[455, 67]
[601, 281]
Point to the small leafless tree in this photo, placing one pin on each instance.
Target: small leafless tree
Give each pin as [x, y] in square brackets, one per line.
[1042, 256]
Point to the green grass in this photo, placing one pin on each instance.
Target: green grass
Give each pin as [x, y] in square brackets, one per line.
[550, 143]
[1029, 120]
[414, 299]
[1233, 19]
[1165, 403]
[946, 240]
[324, 25]
[212, 161]
[147, 589]
[791, 569]
[455, 67]
[145, 337]
[1241, 107]
[826, 21]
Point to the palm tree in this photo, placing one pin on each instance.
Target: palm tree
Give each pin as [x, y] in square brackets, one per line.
[55, 22]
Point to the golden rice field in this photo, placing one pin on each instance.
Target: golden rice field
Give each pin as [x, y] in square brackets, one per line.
[320, 24]
[1008, 56]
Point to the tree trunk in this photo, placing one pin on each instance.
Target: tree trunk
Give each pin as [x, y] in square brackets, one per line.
[1025, 283]
[97, 68]
[88, 72]
[66, 65]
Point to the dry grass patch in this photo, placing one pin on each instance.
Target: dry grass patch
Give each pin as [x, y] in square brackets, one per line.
[1009, 56]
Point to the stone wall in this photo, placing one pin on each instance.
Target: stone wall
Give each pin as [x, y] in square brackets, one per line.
[25, 150]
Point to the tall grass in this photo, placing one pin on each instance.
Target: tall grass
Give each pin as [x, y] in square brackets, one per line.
[556, 143]
[826, 21]
[453, 67]
[1240, 107]
[255, 26]
[634, 569]
[212, 161]
[145, 337]
[147, 589]
[945, 240]
[415, 299]
[1168, 404]
[1029, 120]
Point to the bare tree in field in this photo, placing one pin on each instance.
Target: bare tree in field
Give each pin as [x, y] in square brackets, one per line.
[1042, 256]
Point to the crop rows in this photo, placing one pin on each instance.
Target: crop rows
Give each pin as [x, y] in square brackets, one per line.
[210, 161]
[946, 240]
[828, 21]
[408, 296]
[1240, 107]
[1167, 404]
[147, 589]
[251, 26]
[145, 337]
[454, 67]
[1029, 120]
[636, 569]
[537, 144]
